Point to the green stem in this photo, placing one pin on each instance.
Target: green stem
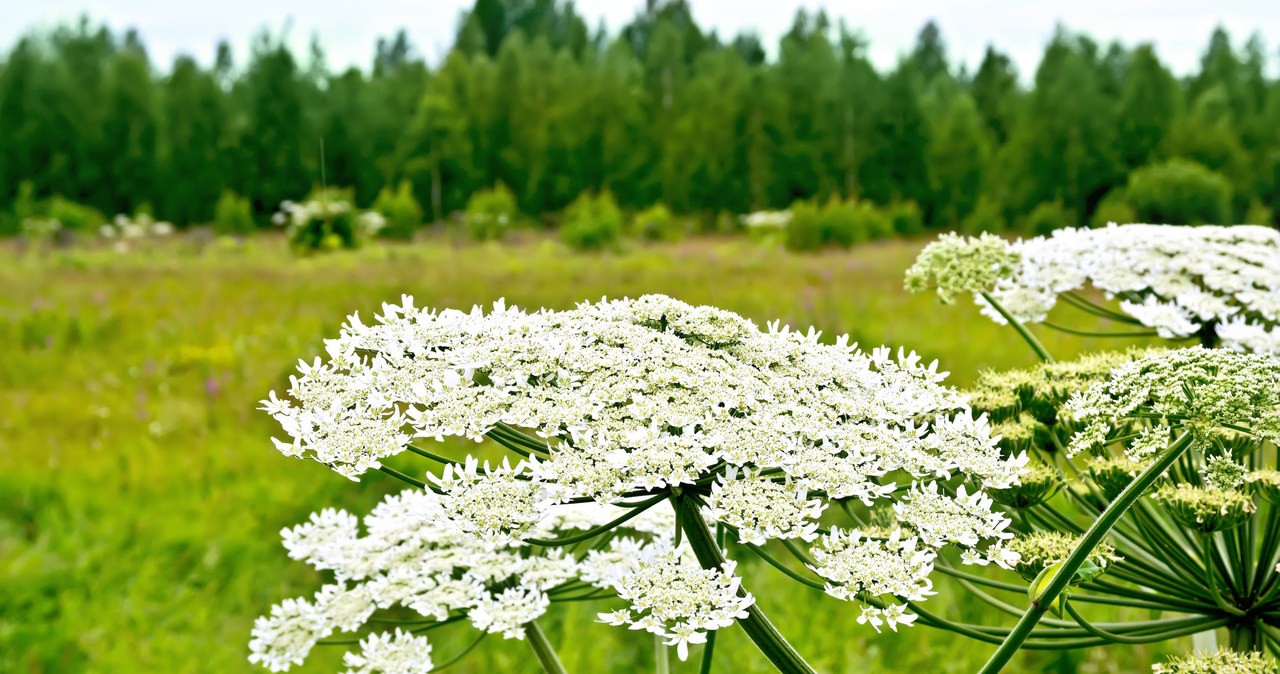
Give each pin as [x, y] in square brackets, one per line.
[592, 533]
[1212, 577]
[756, 624]
[1090, 333]
[783, 568]
[661, 660]
[542, 649]
[1099, 632]
[707, 652]
[1091, 539]
[461, 654]
[1029, 338]
[1244, 636]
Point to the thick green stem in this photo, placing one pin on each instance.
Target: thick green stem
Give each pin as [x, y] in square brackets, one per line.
[1022, 329]
[1244, 636]
[1091, 539]
[757, 626]
[708, 653]
[542, 649]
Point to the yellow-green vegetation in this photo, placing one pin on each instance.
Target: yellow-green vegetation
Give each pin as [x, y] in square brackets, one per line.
[141, 499]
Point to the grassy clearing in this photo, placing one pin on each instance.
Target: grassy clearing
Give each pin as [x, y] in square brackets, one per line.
[140, 497]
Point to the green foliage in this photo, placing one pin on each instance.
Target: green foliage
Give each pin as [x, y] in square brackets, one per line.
[1045, 218]
[661, 111]
[836, 223]
[1180, 192]
[74, 217]
[656, 223]
[401, 210]
[592, 222]
[906, 217]
[1259, 214]
[1114, 207]
[233, 215]
[491, 212]
[986, 216]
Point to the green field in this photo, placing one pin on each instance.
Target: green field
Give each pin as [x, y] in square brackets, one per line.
[140, 497]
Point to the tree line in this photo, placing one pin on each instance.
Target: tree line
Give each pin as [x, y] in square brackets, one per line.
[662, 111]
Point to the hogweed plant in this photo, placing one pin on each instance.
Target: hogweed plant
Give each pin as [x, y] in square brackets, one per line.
[1220, 285]
[1153, 480]
[650, 440]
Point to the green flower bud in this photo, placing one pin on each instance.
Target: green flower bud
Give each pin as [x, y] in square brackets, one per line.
[1205, 510]
[1038, 483]
[1044, 548]
[1222, 662]
[1266, 483]
[1113, 474]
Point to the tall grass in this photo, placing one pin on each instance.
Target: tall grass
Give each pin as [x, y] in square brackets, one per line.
[140, 498]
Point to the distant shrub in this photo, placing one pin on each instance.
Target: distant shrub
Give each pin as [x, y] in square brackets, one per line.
[233, 215]
[24, 207]
[872, 222]
[1180, 192]
[491, 212]
[656, 223]
[327, 220]
[837, 223]
[906, 218]
[401, 210]
[1259, 214]
[1046, 218]
[592, 222]
[804, 230]
[73, 216]
[1114, 207]
[986, 216]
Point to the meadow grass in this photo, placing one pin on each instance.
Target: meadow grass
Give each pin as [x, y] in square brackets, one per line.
[140, 497]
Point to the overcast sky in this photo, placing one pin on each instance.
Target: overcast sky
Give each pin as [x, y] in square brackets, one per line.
[348, 30]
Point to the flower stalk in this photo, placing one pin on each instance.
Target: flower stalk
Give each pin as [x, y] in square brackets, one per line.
[1081, 552]
[542, 649]
[757, 626]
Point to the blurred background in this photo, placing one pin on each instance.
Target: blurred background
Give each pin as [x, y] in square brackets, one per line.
[193, 197]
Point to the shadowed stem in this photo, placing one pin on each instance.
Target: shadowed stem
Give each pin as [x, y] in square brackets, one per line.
[542, 649]
[1081, 552]
[757, 626]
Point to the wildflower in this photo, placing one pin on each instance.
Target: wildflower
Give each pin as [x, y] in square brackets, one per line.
[957, 265]
[382, 653]
[1222, 473]
[673, 597]
[1205, 510]
[1222, 662]
[1174, 279]
[1040, 549]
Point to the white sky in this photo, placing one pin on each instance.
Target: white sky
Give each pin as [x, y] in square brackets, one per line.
[348, 30]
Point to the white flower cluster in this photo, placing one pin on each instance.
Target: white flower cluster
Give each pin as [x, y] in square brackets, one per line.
[627, 398]
[412, 556]
[672, 596]
[1174, 279]
[383, 653]
[136, 227]
[860, 566]
[1207, 389]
